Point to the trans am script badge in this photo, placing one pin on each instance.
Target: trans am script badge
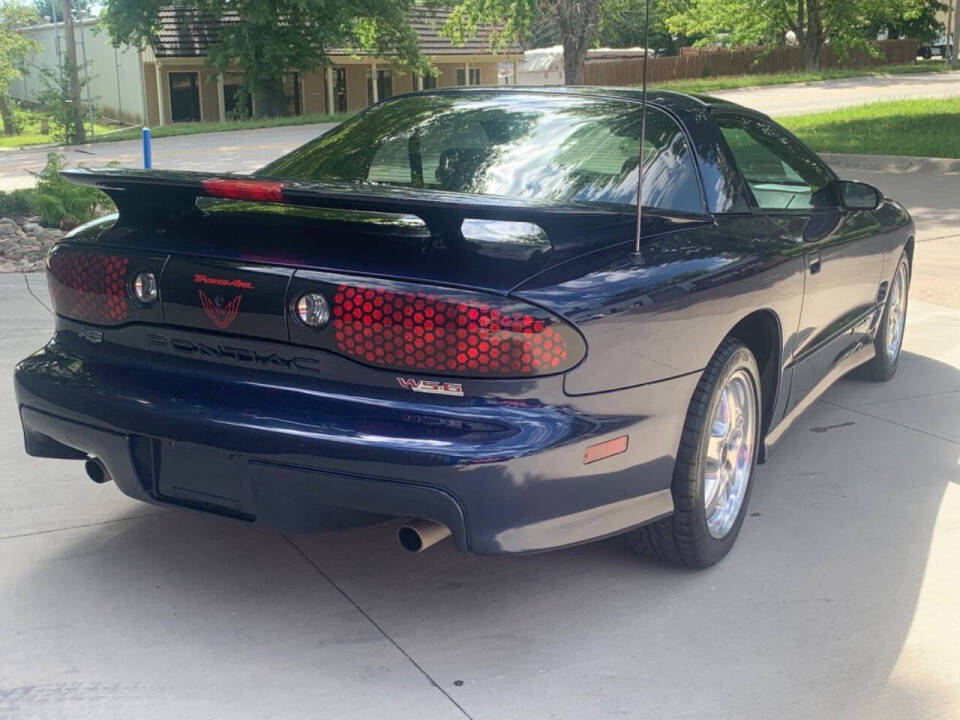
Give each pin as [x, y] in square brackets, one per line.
[221, 312]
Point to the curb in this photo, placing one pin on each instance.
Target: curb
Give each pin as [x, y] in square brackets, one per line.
[900, 164]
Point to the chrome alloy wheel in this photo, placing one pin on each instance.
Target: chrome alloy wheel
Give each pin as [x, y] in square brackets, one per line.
[896, 312]
[730, 453]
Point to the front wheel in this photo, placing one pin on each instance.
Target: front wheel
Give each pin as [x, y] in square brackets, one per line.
[888, 342]
[712, 478]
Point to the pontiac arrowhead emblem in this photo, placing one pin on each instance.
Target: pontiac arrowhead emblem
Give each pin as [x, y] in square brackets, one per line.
[222, 317]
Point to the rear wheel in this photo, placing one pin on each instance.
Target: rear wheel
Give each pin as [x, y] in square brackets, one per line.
[888, 341]
[712, 478]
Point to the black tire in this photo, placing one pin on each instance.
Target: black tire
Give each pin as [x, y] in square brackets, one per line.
[882, 367]
[684, 538]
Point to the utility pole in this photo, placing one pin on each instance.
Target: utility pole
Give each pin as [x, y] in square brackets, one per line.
[956, 34]
[79, 131]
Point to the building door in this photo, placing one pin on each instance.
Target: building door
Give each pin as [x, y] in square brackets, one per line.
[184, 96]
[291, 90]
[340, 89]
[384, 85]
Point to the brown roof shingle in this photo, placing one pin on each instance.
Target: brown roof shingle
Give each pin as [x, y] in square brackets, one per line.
[189, 32]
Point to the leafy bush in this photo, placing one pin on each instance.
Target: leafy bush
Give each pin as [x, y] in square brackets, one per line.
[17, 203]
[58, 201]
[55, 201]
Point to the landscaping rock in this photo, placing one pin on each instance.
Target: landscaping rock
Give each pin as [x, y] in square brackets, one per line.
[24, 248]
[9, 228]
[48, 236]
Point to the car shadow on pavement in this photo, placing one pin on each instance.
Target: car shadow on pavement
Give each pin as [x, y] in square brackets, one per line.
[814, 604]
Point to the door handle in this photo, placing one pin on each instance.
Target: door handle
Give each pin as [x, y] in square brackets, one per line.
[814, 262]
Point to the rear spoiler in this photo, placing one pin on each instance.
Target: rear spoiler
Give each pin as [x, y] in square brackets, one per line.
[163, 195]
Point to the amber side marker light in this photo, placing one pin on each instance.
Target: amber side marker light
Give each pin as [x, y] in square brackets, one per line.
[268, 191]
[605, 449]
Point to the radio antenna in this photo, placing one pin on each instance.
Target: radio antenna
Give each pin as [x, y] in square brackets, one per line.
[643, 133]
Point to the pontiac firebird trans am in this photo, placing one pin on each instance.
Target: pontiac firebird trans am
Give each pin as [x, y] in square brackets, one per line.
[435, 311]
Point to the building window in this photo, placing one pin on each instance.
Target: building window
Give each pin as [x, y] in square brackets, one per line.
[429, 82]
[237, 102]
[384, 85]
[462, 76]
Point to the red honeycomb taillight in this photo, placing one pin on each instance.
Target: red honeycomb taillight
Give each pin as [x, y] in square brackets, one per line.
[447, 334]
[89, 286]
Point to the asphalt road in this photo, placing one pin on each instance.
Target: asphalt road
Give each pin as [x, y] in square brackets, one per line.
[235, 151]
[245, 151]
[839, 601]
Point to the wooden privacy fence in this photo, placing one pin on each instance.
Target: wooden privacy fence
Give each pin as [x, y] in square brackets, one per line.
[751, 61]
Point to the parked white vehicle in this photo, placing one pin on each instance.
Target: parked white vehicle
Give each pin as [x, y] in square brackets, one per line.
[943, 47]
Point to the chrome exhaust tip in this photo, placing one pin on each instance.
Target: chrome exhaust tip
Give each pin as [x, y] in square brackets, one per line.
[97, 471]
[418, 535]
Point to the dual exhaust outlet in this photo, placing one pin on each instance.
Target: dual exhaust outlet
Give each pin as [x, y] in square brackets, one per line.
[416, 536]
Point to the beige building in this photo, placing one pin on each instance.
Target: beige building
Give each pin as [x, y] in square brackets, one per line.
[179, 87]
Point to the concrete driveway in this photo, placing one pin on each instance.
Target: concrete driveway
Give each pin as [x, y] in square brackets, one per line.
[840, 600]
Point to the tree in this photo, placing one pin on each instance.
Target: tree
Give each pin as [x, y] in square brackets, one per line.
[51, 9]
[264, 39]
[919, 23]
[577, 21]
[15, 50]
[622, 24]
[71, 70]
[741, 22]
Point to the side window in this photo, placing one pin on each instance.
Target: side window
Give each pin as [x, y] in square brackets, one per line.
[779, 171]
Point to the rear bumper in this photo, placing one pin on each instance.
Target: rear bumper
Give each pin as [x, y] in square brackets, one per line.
[504, 471]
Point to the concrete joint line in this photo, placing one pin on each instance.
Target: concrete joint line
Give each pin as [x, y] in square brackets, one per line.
[373, 622]
[892, 422]
[86, 525]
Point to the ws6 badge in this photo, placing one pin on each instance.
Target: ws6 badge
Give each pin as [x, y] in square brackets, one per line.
[431, 386]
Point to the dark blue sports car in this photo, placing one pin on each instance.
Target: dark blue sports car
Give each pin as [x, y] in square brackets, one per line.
[436, 311]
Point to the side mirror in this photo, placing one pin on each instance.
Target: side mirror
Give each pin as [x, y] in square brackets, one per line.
[859, 196]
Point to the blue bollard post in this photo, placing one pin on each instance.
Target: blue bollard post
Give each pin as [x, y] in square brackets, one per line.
[147, 160]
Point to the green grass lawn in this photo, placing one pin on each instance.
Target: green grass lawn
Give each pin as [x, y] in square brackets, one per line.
[110, 133]
[923, 128]
[33, 136]
[194, 128]
[733, 82]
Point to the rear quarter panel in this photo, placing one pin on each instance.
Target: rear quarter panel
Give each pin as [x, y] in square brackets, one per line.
[665, 316]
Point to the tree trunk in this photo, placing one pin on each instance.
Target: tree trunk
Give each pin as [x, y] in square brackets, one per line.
[6, 114]
[269, 99]
[578, 21]
[812, 37]
[79, 132]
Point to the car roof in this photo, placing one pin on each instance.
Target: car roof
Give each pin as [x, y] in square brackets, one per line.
[667, 99]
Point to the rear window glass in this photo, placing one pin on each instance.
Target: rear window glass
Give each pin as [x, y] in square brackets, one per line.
[556, 148]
